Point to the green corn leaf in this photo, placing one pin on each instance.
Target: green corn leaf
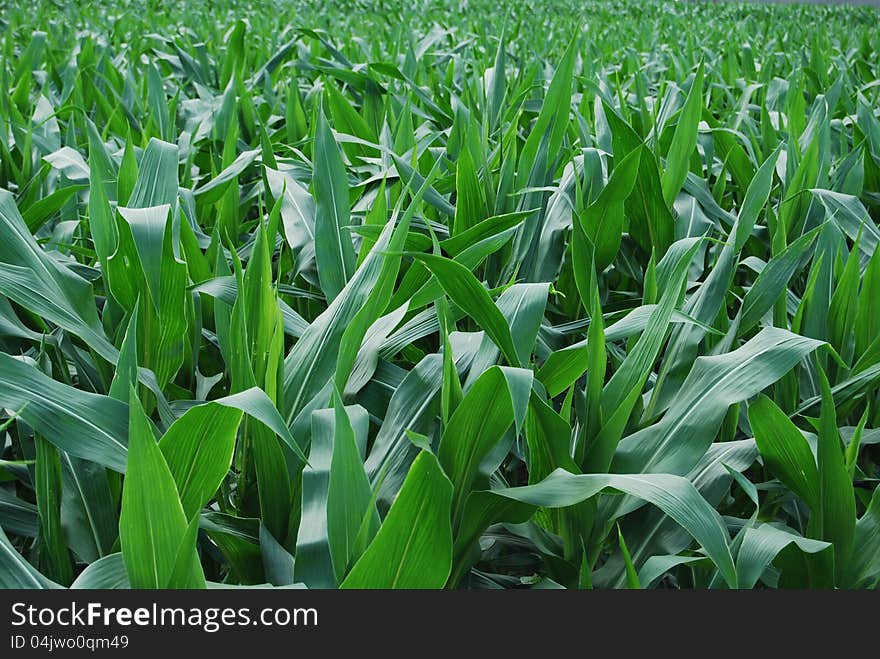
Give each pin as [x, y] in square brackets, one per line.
[156, 183]
[761, 544]
[772, 281]
[16, 572]
[835, 519]
[785, 450]
[107, 573]
[86, 425]
[620, 393]
[55, 557]
[683, 140]
[350, 501]
[466, 292]
[198, 452]
[674, 444]
[675, 495]
[476, 427]
[152, 525]
[864, 566]
[413, 548]
[334, 252]
[603, 220]
[632, 578]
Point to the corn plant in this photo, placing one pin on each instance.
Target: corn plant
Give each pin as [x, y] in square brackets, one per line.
[439, 295]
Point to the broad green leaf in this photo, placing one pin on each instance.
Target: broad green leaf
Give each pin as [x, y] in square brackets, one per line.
[523, 306]
[851, 216]
[548, 436]
[541, 150]
[603, 220]
[864, 566]
[772, 281]
[43, 285]
[88, 511]
[675, 495]
[334, 252]
[157, 176]
[707, 301]
[676, 442]
[413, 548]
[476, 427]
[565, 366]
[867, 325]
[152, 524]
[298, 215]
[651, 222]
[761, 544]
[15, 572]
[187, 572]
[466, 292]
[278, 564]
[314, 564]
[683, 140]
[311, 363]
[107, 573]
[350, 503]
[86, 425]
[55, 560]
[145, 273]
[835, 518]
[620, 393]
[126, 375]
[256, 404]
[785, 450]
[214, 189]
[198, 452]
[656, 566]
[413, 406]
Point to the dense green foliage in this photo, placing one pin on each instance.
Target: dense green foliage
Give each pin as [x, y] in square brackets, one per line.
[439, 294]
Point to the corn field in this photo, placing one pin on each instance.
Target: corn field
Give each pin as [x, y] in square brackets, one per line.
[439, 294]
